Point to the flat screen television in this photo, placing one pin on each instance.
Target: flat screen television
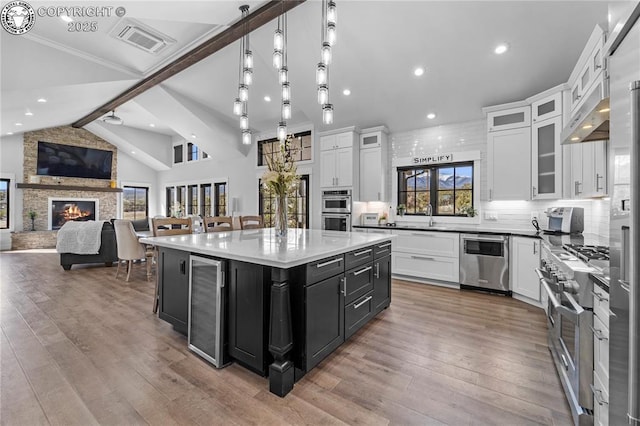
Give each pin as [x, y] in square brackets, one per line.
[73, 161]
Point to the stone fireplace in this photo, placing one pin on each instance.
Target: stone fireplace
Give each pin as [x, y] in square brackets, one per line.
[63, 210]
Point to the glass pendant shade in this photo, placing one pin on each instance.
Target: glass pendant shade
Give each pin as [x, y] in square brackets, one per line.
[323, 94]
[321, 74]
[332, 12]
[286, 92]
[327, 114]
[246, 137]
[237, 107]
[248, 59]
[244, 122]
[283, 75]
[326, 53]
[277, 59]
[243, 92]
[278, 39]
[331, 33]
[282, 131]
[286, 110]
[247, 76]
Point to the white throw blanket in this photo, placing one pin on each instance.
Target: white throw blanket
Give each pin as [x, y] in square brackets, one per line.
[80, 237]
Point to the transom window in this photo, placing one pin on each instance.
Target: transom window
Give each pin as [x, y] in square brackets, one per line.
[300, 147]
[448, 188]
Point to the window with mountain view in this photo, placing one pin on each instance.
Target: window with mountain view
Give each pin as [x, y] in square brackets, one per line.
[448, 188]
[4, 203]
[135, 202]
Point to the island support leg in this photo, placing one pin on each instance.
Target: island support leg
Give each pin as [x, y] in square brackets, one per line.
[281, 371]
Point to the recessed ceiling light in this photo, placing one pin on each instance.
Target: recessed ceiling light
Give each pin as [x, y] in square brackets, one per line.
[267, 98]
[18, 124]
[9, 133]
[604, 110]
[42, 100]
[133, 152]
[418, 71]
[28, 113]
[346, 92]
[501, 48]
[193, 135]
[66, 18]
[587, 126]
[152, 125]
[431, 116]
[575, 138]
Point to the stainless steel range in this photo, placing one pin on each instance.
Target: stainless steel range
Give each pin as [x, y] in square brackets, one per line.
[564, 277]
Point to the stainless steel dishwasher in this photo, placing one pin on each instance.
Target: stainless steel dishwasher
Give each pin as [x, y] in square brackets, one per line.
[484, 262]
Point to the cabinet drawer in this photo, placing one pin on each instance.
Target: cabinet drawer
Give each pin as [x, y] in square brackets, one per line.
[358, 281]
[357, 313]
[443, 244]
[437, 268]
[358, 257]
[324, 268]
[601, 305]
[382, 249]
[600, 402]
[601, 351]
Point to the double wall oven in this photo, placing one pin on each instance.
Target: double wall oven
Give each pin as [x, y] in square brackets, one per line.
[336, 210]
[565, 283]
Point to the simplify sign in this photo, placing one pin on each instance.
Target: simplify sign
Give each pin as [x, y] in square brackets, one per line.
[441, 158]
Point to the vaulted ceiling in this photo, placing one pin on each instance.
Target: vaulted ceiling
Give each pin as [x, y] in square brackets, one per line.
[379, 45]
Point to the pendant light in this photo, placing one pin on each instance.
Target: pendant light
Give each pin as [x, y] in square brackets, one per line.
[243, 92]
[286, 92]
[321, 73]
[331, 33]
[332, 12]
[237, 107]
[282, 131]
[327, 40]
[327, 113]
[245, 79]
[246, 137]
[244, 121]
[286, 110]
[283, 75]
[326, 53]
[323, 94]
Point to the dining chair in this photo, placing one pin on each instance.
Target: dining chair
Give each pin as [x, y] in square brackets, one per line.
[129, 248]
[163, 226]
[218, 223]
[251, 222]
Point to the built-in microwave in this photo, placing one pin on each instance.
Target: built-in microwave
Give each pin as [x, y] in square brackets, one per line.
[336, 201]
[336, 222]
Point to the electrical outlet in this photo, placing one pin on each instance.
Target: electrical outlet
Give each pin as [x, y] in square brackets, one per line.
[534, 215]
[490, 215]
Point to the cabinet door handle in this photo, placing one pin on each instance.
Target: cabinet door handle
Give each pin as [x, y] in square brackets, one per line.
[343, 282]
[598, 177]
[534, 248]
[357, 305]
[337, 181]
[535, 192]
[422, 258]
[490, 194]
[600, 298]
[378, 196]
[577, 189]
[378, 270]
[368, 268]
[597, 333]
[384, 245]
[360, 253]
[322, 265]
[597, 394]
[183, 267]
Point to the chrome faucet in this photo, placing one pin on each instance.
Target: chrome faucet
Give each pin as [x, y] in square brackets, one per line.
[430, 213]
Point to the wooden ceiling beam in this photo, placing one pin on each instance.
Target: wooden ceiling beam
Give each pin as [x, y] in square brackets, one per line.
[255, 20]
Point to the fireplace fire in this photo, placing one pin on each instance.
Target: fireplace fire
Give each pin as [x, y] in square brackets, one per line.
[63, 211]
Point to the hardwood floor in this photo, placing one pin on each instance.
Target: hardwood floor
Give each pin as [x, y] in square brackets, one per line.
[80, 347]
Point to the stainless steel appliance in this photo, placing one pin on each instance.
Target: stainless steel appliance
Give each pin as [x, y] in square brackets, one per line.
[484, 262]
[336, 201]
[564, 278]
[624, 224]
[336, 210]
[207, 307]
[336, 222]
[565, 220]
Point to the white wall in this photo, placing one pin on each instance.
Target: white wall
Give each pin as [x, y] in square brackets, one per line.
[11, 161]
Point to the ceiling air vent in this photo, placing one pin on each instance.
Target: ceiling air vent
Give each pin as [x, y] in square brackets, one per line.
[141, 36]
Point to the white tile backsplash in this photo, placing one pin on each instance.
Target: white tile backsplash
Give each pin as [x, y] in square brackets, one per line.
[472, 136]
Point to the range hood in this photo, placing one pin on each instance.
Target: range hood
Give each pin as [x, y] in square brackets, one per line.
[591, 121]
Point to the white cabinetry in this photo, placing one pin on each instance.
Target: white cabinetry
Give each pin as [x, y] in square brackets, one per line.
[336, 160]
[587, 70]
[588, 170]
[600, 356]
[525, 258]
[546, 159]
[547, 107]
[373, 164]
[509, 164]
[508, 155]
[427, 255]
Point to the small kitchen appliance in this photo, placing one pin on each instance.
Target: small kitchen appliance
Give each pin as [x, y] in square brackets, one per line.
[565, 220]
[369, 219]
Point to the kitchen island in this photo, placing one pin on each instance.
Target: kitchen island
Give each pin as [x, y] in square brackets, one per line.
[291, 301]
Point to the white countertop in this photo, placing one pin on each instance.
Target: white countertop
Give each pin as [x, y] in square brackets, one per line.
[261, 246]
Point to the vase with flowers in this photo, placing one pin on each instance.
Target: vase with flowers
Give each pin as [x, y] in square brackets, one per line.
[280, 178]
